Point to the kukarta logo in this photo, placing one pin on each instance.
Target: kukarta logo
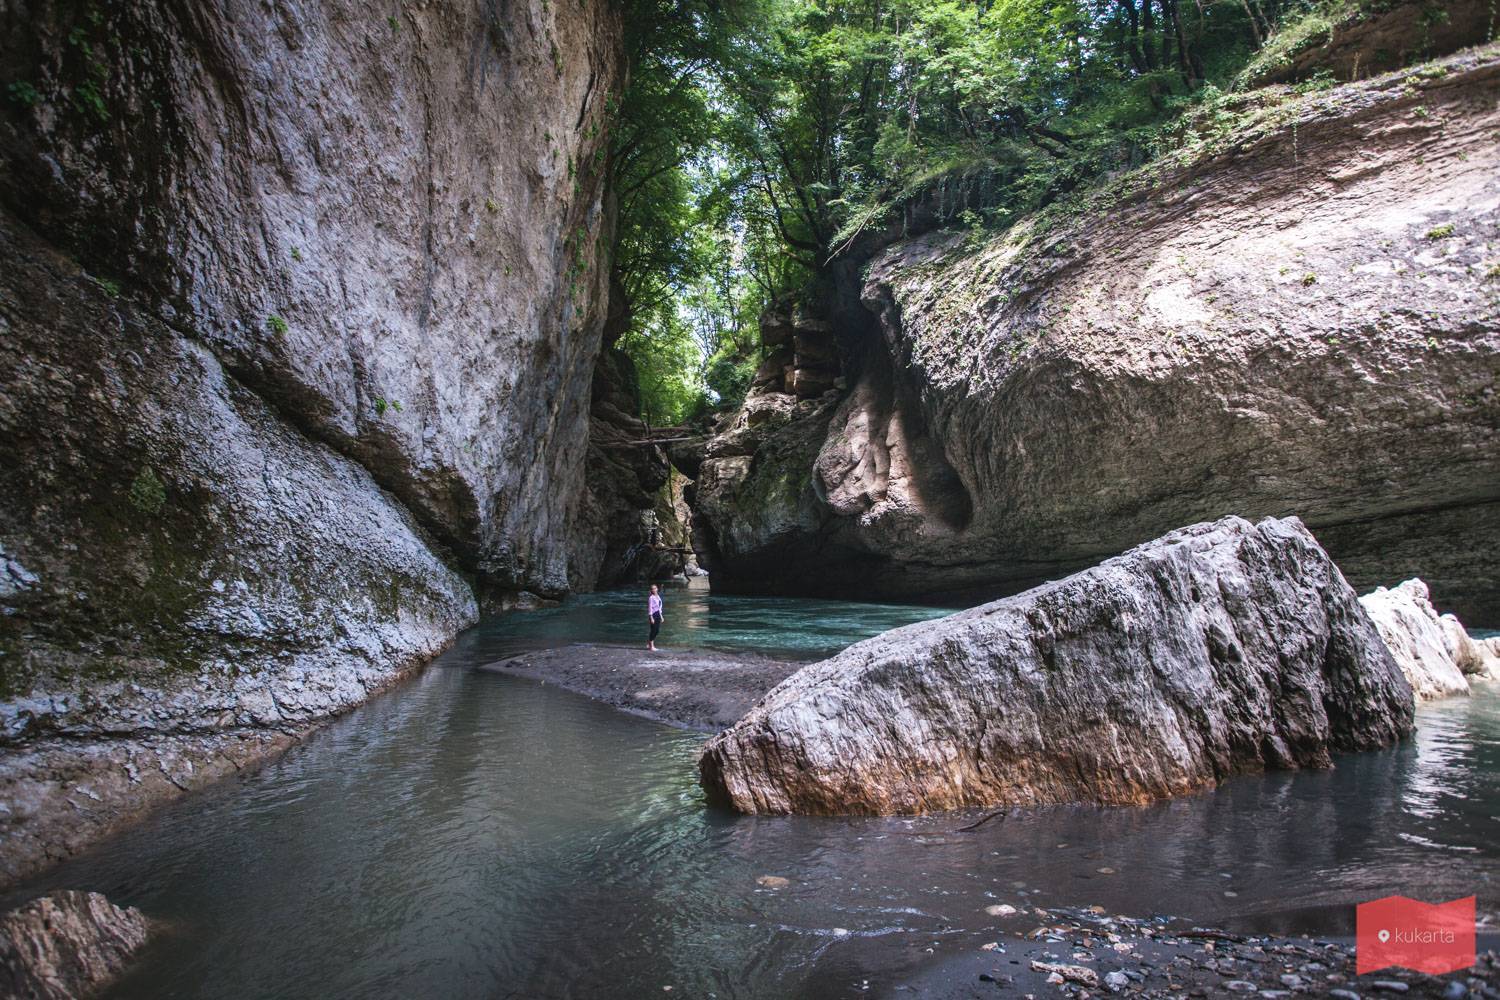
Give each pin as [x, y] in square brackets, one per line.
[1427, 937]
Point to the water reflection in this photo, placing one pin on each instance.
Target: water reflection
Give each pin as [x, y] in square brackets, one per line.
[473, 834]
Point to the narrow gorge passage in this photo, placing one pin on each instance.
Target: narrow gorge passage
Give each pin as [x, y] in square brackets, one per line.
[471, 834]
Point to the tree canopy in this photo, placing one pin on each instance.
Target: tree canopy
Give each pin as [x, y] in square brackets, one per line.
[760, 140]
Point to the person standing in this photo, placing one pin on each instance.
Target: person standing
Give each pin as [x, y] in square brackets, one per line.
[654, 615]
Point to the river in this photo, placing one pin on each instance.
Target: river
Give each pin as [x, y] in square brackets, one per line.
[471, 834]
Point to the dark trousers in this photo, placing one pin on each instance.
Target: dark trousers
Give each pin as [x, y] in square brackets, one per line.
[655, 627]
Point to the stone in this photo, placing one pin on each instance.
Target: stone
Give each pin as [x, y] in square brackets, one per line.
[1082, 383]
[290, 398]
[1116, 981]
[66, 945]
[808, 383]
[1473, 657]
[772, 882]
[1390, 985]
[1219, 648]
[1080, 974]
[1417, 638]
[1000, 910]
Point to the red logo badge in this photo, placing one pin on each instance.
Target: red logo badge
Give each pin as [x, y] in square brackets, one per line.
[1426, 937]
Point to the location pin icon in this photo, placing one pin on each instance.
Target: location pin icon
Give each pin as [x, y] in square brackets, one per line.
[1384, 936]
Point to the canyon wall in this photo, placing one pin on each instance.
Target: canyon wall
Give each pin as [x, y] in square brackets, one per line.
[299, 310]
[1297, 313]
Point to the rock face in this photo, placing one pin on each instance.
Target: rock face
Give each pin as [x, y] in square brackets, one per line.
[299, 307]
[628, 526]
[66, 945]
[1425, 646]
[1298, 314]
[1216, 649]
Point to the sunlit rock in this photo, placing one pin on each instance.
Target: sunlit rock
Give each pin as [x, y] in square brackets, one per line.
[1219, 648]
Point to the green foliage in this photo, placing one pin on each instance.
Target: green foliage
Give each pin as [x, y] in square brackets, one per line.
[148, 494]
[110, 286]
[87, 99]
[22, 93]
[761, 142]
[296, 255]
[1440, 232]
[276, 325]
[382, 404]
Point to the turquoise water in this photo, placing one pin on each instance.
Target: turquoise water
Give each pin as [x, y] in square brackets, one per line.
[471, 834]
[785, 627]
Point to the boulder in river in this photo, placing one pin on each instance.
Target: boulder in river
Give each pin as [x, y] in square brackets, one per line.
[66, 945]
[1419, 640]
[1219, 648]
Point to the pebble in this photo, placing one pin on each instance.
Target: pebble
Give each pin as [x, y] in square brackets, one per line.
[773, 881]
[1455, 991]
[1116, 981]
[1390, 986]
[1240, 986]
[1344, 994]
[1000, 910]
[1105, 871]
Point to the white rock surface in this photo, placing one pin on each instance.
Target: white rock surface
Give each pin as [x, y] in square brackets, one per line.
[1418, 639]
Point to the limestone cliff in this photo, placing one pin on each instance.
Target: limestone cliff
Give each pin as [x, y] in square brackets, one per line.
[299, 308]
[1297, 313]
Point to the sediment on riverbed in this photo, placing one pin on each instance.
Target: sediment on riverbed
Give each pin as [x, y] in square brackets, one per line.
[691, 688]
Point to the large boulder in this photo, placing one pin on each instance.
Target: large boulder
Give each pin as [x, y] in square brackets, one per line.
[66, 945]
[1219, 648]
[1298, 312]
[1424, 647]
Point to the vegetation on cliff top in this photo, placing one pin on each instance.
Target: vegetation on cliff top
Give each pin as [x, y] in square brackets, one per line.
[764, 140]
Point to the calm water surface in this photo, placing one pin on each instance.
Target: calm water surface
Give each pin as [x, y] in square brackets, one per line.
[477, 835]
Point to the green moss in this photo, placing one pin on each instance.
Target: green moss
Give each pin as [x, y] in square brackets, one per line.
[1309, 278]
[148, 494]
[1440, 232]
[276, 325]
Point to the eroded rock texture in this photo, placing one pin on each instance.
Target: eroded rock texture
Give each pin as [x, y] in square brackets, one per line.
[1418, 639]
[299, 307]
[1299, 314]
[66, 945]
[1216, 649]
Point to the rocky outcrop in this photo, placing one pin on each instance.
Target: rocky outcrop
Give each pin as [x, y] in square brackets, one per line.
[1349, 41]
[1299, 313]
[1476, 658]
[66, 945]
[299, 306]
[1216, 649]
[1425, 647]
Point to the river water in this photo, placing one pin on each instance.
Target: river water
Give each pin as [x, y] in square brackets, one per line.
[477, 835]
